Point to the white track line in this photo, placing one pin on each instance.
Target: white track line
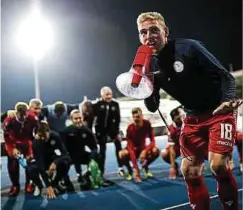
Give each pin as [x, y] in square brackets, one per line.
[185, 204]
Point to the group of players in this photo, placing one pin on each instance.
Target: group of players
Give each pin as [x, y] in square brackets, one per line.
[187, 71]
[40, 134]
[50, 147]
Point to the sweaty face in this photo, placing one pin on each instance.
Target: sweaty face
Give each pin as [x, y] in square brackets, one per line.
[153, 34]
[178, 119]
[77, 119]
[35, 109]
[137, 118]
[107, 96]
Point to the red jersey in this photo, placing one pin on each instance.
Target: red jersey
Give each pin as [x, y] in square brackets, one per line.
[16, 132]
[174, 136]
[136, 139]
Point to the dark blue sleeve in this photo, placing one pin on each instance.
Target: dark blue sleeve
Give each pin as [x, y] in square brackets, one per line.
[39, 161]
[91, 140]
[60, 144]
[153, 101]
[209, 63]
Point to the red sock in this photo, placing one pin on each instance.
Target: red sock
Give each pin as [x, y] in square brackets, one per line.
[198, 193]
[227, 190]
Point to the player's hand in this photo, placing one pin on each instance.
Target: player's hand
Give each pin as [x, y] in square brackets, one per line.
[50, 193]
[119, 137]
[15, 152]
[228, 106]
[173, 173]
[52, 168]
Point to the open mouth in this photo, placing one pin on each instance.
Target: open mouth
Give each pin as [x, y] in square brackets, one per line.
[151, 44]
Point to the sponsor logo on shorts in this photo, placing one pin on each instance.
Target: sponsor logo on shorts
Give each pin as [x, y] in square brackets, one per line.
[229, 203]
[225, 143]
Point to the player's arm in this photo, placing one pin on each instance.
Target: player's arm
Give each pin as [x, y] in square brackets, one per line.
[9, 138]
[213, 66]
[91, 140]
[61, 146]
[152, 102]
[39, 161]
[130, 148]
[118, 115]
[151, 137]
[40, 164]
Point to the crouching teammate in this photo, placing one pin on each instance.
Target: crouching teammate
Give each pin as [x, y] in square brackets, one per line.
[172, 150]
[51, 161]
[17, 132]
[137, 132]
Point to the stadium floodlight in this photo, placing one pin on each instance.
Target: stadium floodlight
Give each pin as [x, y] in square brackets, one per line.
[35, 38]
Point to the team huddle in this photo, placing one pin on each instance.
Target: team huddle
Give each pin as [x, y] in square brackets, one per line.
[204, 127]
[40, 134]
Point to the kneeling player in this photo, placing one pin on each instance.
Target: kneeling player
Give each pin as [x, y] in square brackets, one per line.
[76, 137]
[51, 161]
[172, 150]
[137, 132]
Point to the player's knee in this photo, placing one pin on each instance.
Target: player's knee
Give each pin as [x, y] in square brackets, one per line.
[155, 151]
[164, 154]
[123, 154]
[218, 163]
[190, 169]
[217, 167]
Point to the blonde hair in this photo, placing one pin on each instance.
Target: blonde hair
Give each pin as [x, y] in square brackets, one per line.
[151, 16]
[36, 101]
[75, 111]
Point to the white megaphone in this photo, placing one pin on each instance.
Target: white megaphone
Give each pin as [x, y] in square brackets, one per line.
[137, 83]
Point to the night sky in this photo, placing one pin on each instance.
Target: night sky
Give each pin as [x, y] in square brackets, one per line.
[96, 40]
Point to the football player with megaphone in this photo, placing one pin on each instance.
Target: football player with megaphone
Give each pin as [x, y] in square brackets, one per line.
[187, 71]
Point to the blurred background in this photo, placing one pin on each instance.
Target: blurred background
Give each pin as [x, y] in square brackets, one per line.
[94, 41]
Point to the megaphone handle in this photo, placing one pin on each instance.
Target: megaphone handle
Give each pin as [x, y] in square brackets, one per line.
[165, 122]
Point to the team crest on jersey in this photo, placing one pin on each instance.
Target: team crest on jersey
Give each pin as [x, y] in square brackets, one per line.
[53, 142]
[57, 152]
[84, 135]
[113, 108]
[102, 106]
[178, 66]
